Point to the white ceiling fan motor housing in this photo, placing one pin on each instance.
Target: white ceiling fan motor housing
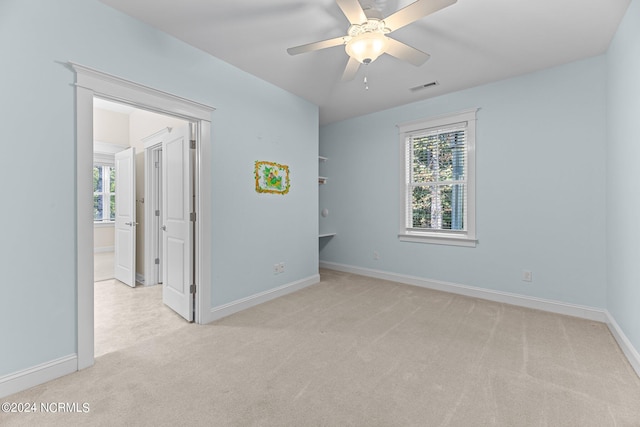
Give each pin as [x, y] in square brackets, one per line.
[367, 41]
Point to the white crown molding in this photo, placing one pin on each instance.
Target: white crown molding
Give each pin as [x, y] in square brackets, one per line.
[149, 141]
[127, 92]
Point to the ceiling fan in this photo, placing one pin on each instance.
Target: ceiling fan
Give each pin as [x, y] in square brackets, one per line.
[367, 38]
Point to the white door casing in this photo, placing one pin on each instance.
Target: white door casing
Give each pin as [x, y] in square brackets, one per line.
[90, 83]
[177, 208]
[153, 206]
[125, 237]
[157, 231]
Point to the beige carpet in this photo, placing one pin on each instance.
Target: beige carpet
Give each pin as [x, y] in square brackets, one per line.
[123, 315]
[355, 351]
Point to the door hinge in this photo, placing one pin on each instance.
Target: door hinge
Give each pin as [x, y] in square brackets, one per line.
[157, 260]
[192, 289]
[157, 212]
[192, 216]
[156, 164]
[193, 144]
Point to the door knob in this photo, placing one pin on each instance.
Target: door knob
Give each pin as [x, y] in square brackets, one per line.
[163, 228]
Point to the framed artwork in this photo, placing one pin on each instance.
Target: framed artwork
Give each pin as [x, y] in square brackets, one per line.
[272, 178]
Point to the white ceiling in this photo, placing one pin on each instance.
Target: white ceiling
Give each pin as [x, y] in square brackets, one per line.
[471, 42]
[103, 104]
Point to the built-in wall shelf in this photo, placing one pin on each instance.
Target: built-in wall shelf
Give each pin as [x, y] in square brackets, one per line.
[323, 180]
[327, 235]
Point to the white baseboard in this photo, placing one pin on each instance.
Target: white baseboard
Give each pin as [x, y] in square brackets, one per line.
[140, 278]
[31, 377]
[103, 249]
[242, 304]
[627, 348]
[590, 313]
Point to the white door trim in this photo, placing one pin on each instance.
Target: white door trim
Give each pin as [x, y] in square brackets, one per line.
[90, 83]
[152, 147]
[152, 222]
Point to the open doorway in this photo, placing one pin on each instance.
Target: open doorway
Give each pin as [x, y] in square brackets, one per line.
[118, 127]
[128, 216]
[92, 83]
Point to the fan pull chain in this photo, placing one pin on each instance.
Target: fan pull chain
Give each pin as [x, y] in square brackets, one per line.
[366, 83]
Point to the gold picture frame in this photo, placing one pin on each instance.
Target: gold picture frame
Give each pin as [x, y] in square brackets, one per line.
[272, 177]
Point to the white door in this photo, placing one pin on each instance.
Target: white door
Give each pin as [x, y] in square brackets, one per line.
[125, 238]
[177, 205]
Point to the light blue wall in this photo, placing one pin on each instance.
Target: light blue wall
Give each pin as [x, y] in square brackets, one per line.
[540, 188]
[623, 176]
[253, 121]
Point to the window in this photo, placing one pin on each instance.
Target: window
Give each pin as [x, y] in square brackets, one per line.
[438, 180]
[104, 193]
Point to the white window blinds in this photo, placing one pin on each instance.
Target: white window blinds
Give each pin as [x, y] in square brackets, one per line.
[436, 180]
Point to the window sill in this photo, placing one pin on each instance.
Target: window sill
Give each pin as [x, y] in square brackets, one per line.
[101, 224]
[438, 239]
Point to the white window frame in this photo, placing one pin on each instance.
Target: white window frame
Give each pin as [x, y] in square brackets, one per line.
[443, 237]
[106, 194]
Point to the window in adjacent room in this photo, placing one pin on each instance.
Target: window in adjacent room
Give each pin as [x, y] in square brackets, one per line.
[104, 193]
[438, 180]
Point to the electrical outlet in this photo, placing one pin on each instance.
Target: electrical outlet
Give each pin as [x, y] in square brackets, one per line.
[278, 268]
[527, 276]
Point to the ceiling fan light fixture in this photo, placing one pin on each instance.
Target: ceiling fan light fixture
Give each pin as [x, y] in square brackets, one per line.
[367, 47]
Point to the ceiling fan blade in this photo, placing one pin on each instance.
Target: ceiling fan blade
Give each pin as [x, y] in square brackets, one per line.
[415, 11]
[353, 11]
[350, 70]
[406, 52]
[316, 45]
